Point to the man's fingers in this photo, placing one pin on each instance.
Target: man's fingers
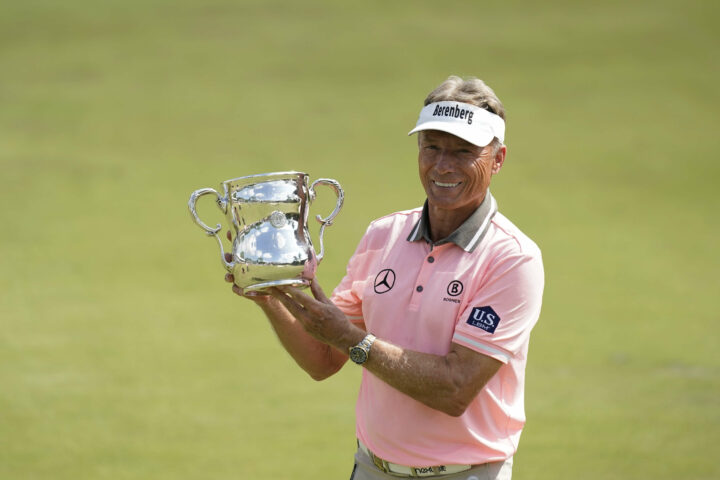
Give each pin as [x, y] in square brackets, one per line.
[317, 291]
[295, 308]
[229, 278]
[299, 296]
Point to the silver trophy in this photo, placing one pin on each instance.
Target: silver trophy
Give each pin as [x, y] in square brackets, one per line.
[268, 215]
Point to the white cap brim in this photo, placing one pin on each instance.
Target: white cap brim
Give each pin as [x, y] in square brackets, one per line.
[469, 122]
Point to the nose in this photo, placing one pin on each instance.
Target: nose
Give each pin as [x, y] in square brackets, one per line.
[444, 161]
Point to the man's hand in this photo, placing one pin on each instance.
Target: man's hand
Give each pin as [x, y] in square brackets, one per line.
[257, 297]
[319, 316]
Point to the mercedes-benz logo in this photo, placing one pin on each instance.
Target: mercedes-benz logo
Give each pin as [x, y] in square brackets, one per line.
[384, 281]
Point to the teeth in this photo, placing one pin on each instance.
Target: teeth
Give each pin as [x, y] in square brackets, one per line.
[440, 184]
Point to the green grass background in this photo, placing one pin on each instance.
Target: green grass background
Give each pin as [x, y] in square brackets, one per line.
[124, 355]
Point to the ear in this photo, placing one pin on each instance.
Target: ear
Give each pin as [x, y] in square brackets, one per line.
[499, 159]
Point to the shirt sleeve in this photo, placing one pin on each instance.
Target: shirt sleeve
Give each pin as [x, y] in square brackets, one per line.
[348, 295]
[499, 317]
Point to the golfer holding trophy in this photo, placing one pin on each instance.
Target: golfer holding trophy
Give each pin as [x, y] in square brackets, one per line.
[436, 306]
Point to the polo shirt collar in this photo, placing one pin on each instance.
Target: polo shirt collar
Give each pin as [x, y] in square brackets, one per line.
[468, 235]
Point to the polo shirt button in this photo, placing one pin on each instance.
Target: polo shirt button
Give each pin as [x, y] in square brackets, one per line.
[419, 288]
[431, 259]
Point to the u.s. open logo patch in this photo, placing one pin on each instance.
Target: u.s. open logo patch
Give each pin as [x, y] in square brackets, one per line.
[484, 318]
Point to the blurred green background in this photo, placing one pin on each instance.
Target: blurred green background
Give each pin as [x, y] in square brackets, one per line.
[124, 355]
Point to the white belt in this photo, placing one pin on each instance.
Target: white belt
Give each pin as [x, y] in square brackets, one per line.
[402, 470]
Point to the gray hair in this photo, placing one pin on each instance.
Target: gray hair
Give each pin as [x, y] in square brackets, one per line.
[469, 90]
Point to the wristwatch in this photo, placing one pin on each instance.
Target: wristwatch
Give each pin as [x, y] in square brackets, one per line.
[360, 352]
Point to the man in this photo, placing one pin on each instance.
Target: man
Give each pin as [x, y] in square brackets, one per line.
[437, 306]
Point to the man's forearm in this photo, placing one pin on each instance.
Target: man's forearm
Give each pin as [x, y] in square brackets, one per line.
[445, 383]
[318, 359]
[426, 378]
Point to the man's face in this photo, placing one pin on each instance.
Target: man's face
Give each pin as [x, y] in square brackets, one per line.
[455, 173]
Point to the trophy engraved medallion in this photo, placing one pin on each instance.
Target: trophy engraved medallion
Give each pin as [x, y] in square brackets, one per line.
[267, 219]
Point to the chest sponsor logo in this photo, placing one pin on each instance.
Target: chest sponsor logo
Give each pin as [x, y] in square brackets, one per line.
[455, 288]
[484, 318]
[451, 300]
[384, 281]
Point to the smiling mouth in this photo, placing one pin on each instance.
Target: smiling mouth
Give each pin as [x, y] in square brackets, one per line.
[446, 185]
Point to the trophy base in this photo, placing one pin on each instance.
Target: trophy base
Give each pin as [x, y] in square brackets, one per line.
[296, 282]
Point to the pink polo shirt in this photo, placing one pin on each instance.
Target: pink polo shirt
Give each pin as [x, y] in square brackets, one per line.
[424, 299]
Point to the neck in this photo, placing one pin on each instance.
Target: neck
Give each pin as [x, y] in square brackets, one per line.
[444, 222]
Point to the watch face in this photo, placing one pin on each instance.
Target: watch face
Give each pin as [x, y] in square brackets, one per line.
[358, 355]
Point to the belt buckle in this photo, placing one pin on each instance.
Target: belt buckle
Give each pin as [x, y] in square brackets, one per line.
[428, 471]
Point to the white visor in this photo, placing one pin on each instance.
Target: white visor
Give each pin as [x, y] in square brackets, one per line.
[473, 124]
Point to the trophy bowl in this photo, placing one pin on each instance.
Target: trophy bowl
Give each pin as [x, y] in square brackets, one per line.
[267, 219]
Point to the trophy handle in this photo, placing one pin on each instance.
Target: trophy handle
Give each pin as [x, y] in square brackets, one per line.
[326, 222]
[213, 232]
